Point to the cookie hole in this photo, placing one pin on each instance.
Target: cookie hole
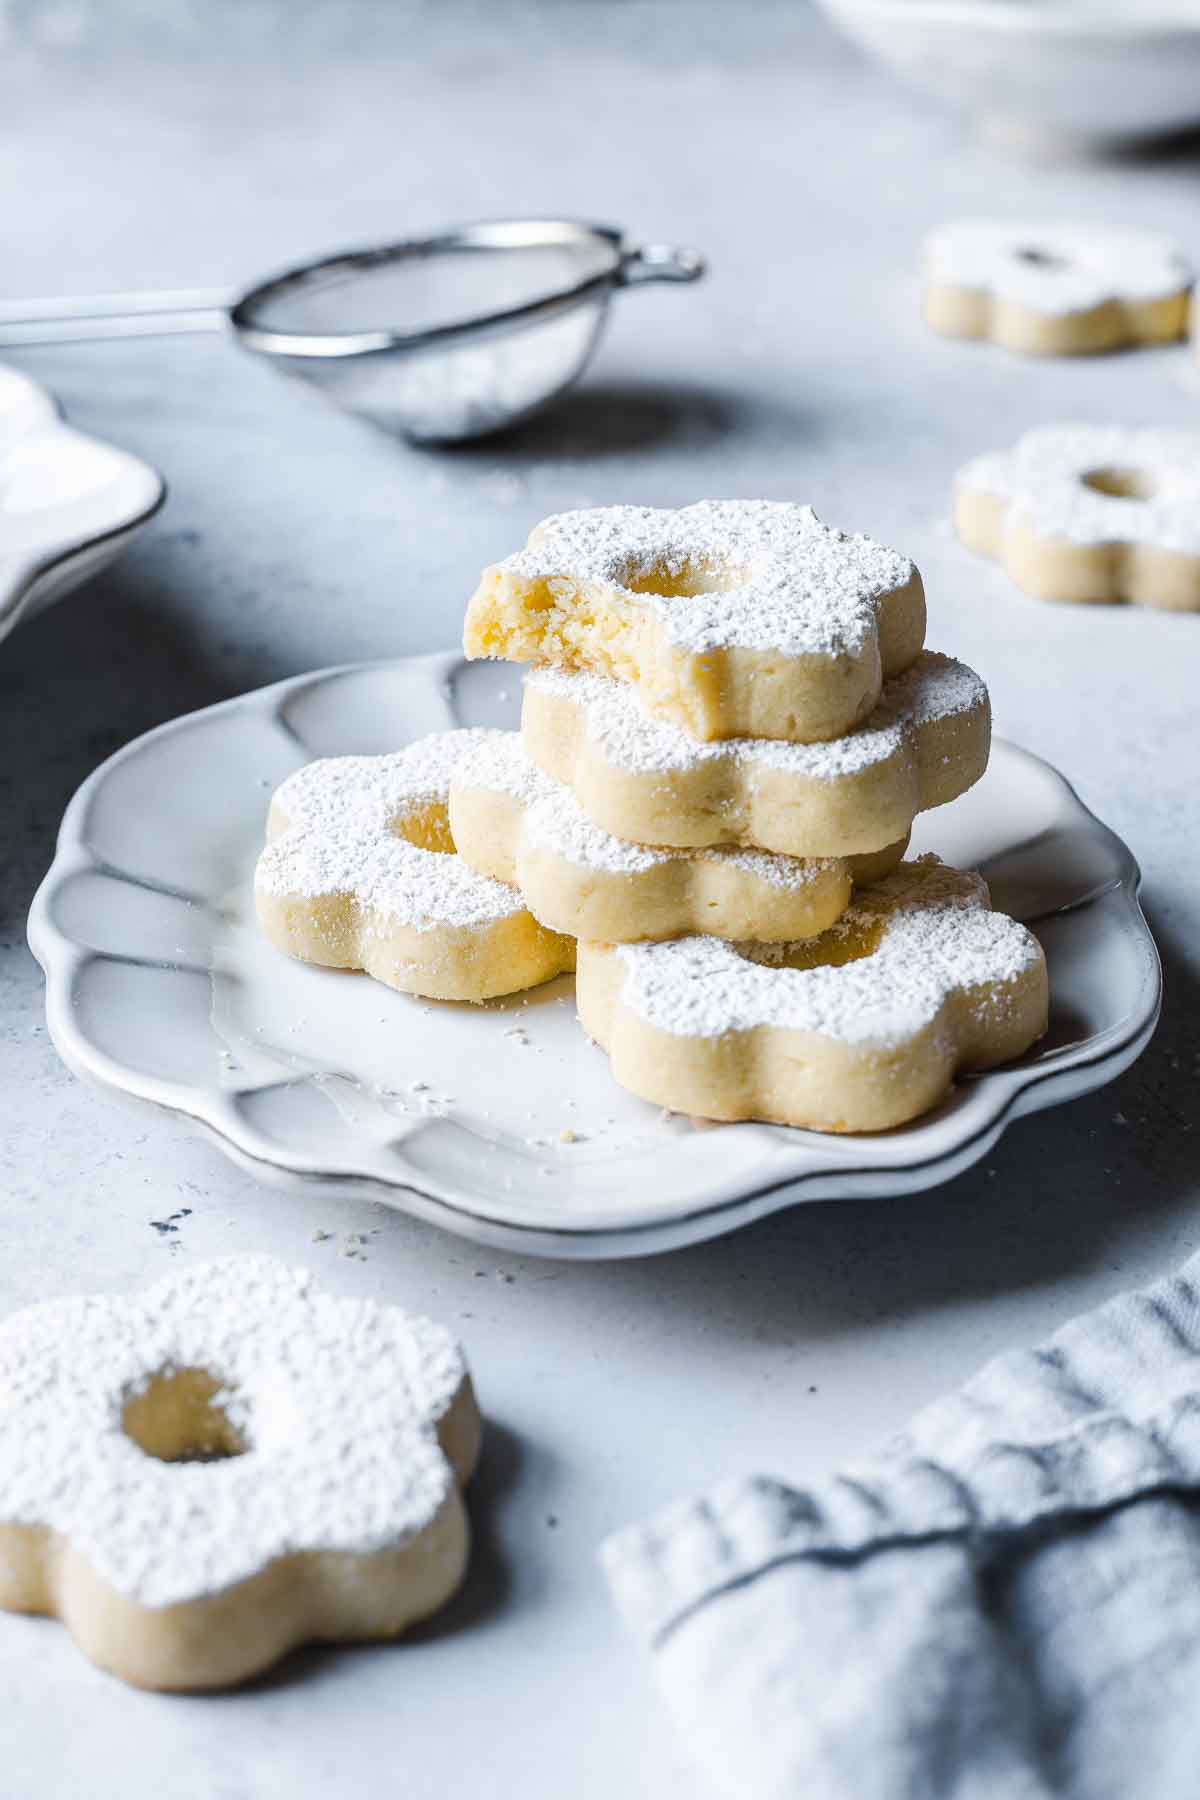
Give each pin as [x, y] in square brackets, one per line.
[428, 829]
[680, 581]
[1121, 484]
[848, 942]
[1035, 258]
[178, 1418]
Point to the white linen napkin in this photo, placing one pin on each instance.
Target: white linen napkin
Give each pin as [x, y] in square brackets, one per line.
[1003, 1604]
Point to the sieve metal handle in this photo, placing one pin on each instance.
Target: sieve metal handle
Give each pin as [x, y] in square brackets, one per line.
[85, 318]
[89, 318]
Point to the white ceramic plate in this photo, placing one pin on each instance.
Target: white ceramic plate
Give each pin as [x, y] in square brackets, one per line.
[158, 985]
[68, 504]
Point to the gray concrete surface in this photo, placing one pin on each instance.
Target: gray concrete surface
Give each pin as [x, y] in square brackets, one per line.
[155, 144]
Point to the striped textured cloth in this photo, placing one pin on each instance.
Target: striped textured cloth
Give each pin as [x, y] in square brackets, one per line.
[1002, 1604]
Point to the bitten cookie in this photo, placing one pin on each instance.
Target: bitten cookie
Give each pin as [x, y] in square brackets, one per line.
[1055, 290]
[859, 1029]
[230, 1464]
[926, 743]
[360, 873]
[737, 617]
[513, 822]
[1090, 513]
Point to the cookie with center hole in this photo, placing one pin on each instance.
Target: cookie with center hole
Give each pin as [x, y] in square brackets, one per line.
[860, 1029]
[514, 822]
[1090, 513]
[360, 872]
[1055, 289]
[926, 743]
[200, 1477]
[728, 618]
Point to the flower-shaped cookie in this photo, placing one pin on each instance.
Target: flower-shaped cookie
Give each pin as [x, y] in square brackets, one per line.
[859, 1029]
[1055, 290]
[926, 743]
[736, 617]
[232, 1463]
[514, 822]
[359, 872]
[1090, 513]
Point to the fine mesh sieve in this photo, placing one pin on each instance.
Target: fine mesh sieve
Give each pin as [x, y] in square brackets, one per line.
[438, 338]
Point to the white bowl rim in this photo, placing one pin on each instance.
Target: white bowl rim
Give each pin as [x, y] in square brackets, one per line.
[1014, 16]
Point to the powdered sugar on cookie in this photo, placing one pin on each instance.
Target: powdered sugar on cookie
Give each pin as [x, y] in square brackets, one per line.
[732, 618]
[554, 820]
[1096, 484]
[337, 829]
[935, 687]
[750, 574]
[935, 937]
[360, 872]
[1054, 268]
[336, 1405]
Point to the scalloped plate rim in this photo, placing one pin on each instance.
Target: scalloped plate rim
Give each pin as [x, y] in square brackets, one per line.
[1010, 1092]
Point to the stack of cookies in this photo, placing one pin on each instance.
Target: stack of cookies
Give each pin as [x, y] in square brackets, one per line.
[729, 726]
